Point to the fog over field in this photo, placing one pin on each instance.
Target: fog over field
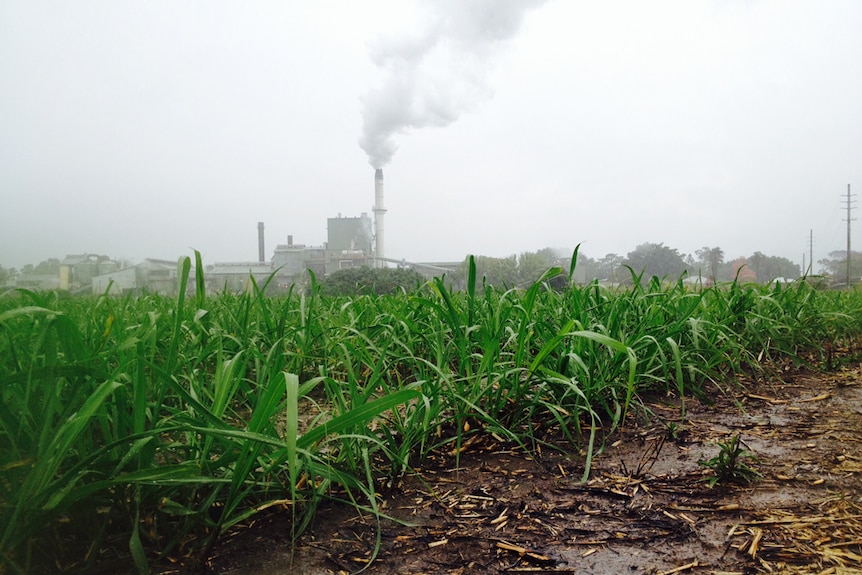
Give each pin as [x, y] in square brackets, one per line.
[147, 129]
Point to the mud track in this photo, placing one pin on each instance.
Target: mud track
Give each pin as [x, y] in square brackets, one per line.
[648, 507]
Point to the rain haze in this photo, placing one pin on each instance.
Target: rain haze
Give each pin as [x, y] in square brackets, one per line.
[148, 129]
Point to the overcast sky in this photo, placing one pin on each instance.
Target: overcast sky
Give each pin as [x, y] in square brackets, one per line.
[147, 129]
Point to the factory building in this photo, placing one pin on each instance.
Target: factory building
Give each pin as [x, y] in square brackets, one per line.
[74, 273]
[349, 234]
[290, 260]
[150, 276]
[350, 242]
[235, 276]
[78, 271]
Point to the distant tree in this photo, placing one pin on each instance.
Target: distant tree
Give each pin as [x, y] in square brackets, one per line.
[836, 265]
[741, 272]
[711, 261]
[608, 267]
[499, 272]
[690, 264]
[523, 270]
[531, 265]
[49, 266]
[656, 260]
[767, 268]
[587, 269]
[365, 280]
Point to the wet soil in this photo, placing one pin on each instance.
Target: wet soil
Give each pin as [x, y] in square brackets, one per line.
[648, 506]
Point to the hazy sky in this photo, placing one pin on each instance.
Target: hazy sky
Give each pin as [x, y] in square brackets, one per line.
[147, 129]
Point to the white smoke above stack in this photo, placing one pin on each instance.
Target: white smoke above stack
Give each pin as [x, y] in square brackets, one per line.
[438, 72]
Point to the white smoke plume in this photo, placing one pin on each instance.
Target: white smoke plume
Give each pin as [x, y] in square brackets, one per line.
[439, 72]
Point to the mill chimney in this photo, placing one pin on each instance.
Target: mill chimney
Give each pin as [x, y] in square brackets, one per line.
[379, 211]
[261, 257]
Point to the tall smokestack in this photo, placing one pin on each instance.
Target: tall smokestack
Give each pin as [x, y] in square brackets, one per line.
[379, 210]
[260, 248]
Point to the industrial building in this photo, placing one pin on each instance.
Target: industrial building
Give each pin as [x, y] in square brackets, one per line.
[74, 273]
[77, 271]
[350, 242]
[151, 275]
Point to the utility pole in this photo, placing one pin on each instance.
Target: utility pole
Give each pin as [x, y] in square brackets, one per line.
[849, 207]
[810, 252]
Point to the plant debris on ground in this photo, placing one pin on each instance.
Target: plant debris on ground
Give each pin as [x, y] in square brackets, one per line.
[647, 508]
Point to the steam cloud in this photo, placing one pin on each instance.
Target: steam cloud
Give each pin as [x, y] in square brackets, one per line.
[440, 72]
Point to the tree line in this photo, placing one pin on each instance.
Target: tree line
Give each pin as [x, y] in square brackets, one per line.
[49, 266]
[652, 259]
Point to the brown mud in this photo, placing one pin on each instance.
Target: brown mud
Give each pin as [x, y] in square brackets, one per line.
[647, 508]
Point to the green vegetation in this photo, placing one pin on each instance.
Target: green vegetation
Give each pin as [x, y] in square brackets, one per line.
[836, 265]
[656, 260]
[148, 426]
[649, 259]
[365, 280]
[513, 271]
[730, 466]
[7, 275]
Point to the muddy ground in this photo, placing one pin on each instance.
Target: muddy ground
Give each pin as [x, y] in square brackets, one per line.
[648, 507]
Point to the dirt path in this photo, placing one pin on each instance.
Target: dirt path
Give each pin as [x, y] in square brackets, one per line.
[647, 509]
